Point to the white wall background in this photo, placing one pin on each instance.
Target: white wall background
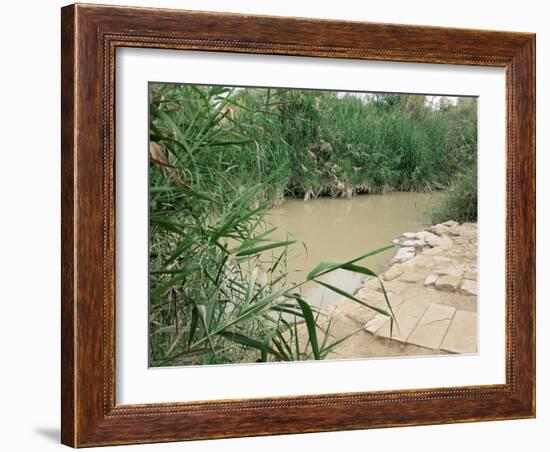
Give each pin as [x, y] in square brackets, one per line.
[29, 252]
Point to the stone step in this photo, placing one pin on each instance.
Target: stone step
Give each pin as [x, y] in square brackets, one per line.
[430, 325]
[433, 326]
[407, 315]
[462, 334]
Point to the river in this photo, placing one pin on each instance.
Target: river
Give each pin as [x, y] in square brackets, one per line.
[338, 229]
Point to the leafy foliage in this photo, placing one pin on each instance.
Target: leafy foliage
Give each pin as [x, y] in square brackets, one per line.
[460, 200]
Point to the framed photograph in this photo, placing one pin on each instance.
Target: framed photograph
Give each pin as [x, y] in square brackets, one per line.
[280, 225]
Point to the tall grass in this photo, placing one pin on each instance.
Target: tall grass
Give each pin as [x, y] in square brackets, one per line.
[460, 200]
[327, 143]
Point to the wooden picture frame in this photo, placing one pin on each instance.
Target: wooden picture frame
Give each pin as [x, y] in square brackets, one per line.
[90, 36]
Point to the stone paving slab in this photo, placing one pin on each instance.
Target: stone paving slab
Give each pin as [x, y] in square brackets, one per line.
[447, 283]
[433, 326]
[358, 313]
[376, 323]
[468, 287]
[413, 276]
[407, 316]
[430, 280]
[393, 272]
[395, 287]
[462, 334]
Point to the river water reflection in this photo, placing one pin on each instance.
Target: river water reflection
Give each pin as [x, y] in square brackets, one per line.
[337, 229]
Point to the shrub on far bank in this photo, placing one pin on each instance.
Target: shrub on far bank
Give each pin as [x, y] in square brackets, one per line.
[460, 200]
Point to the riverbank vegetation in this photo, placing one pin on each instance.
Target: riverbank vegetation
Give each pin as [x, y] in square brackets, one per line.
[459, 202]
[220, 157]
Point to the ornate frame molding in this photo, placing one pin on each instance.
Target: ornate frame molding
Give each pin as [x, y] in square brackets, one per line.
[90, 36]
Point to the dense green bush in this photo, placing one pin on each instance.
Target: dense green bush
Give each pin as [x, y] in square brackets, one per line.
[327, 143]
[312, 143]
[460, 199]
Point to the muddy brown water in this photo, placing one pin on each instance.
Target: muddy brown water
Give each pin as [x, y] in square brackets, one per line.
[337, 230]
